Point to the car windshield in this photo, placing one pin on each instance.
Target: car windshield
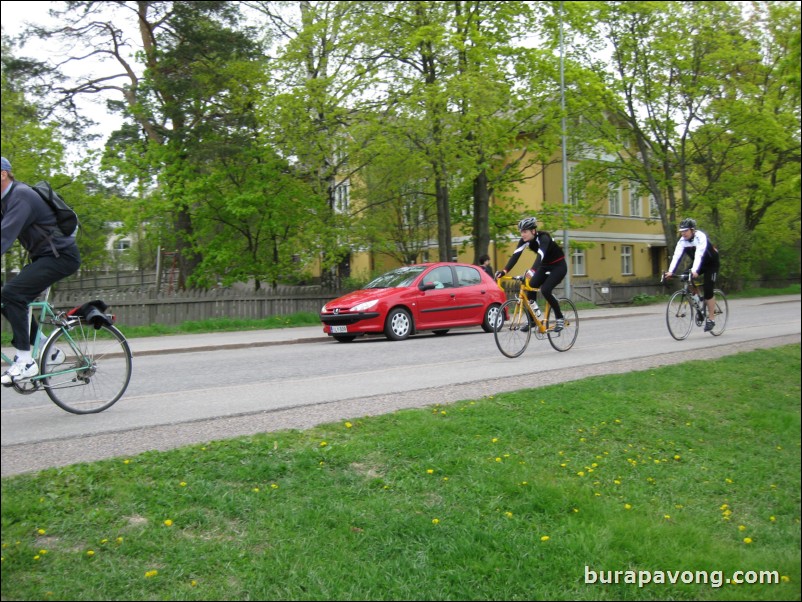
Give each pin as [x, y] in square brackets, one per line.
[400, 277]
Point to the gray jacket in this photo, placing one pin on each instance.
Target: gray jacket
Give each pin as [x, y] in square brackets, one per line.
[28, 218]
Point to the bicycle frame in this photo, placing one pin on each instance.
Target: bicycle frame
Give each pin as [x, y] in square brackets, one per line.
[522, 295]
[686, 307]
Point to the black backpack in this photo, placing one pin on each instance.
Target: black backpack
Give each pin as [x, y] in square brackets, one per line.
[66, 218]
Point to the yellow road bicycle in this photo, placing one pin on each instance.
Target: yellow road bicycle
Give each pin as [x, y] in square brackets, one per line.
[517, 321]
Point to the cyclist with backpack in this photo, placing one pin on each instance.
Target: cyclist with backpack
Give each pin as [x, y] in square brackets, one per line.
[54, 255]
[704, 255]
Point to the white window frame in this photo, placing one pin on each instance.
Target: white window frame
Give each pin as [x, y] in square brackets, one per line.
[578, 263]
[635, 204]
[614, 198]
[627, 260]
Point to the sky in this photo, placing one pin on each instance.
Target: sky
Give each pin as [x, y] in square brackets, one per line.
[14, 17]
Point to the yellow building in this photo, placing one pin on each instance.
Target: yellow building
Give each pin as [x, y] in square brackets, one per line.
[622, 244]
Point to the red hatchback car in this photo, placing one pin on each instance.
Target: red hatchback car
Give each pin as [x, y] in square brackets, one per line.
[426, 297]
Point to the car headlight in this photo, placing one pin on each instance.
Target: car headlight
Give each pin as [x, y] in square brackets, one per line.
[365, 305]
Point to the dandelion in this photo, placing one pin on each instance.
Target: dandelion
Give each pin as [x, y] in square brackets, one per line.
[42, 552]
[104, 541]
[627, 506]
[90, 553]
[168, 523]
[119, 540]
[728, 481]
[435, 521]
[348, 425]
[508, 514]
[785, 579]
[545, 538]
[742, 527]
[36, 557]
[772, 519]
[677, 457]
[182, 484]
[149, 574]
[498, 459]
[273, 486]
[429, 471]
[126, 461]
[255, 490]
[723, 506]
[581, 473]
[323, 444]
[576, 510]
[494, 440]
[41, 531]
[747, 540]
[667, 516]
[193, 583]
[442, 412]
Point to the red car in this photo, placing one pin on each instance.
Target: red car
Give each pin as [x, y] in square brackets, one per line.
[426, 297]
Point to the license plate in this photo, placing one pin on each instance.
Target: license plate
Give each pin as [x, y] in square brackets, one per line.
[339, 329]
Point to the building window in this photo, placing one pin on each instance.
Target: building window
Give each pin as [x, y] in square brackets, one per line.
[122, 245]
[653, 211]
[574, 187]
[614, 195]
[342, 197]
[634, 200]
[578, 262]
[626, 260]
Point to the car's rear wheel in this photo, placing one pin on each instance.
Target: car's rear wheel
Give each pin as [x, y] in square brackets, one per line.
[398, 325]
[491, 316]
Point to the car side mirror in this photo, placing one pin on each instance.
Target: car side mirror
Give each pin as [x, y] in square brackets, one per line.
[426, 286]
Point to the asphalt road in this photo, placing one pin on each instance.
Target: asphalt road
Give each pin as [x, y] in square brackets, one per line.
[197, 388]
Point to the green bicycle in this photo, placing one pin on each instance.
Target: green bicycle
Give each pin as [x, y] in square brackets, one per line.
[85, 363]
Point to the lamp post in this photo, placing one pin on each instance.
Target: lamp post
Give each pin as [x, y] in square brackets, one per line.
[566, 243]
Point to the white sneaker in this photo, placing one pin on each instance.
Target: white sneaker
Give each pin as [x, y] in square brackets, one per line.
[56, 358]
[19, 371]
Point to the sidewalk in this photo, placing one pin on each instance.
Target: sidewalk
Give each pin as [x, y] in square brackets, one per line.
[184, 343]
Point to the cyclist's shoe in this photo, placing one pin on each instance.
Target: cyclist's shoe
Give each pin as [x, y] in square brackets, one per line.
[559, 324]
[56, 357]
[699, 318]
[709, 325]
[525, 327]
[19, 371]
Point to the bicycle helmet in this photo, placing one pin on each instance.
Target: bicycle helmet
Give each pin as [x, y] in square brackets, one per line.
[527, 223]
[687, 224]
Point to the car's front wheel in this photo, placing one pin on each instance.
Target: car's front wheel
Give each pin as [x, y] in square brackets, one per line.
[491, 316]
[398, 325]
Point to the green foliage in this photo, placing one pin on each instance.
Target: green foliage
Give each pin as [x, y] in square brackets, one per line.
[510, 497]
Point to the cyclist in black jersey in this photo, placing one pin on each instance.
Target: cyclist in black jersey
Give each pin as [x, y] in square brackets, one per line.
[704, 255]
[549, 267]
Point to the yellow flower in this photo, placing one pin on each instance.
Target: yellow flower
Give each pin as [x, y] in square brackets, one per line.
[667, 516]
[41, 531]
[183, 484]
[126, 461]
[677, 457]
[36, 557]
[119, 540]
[435, 521]
[545, 538]
[255, 490]
[193, 583]
[323, 444]
[348, 425]
[627, 506]
[508, 514]
[273, 486]
[150, 574]
[168, 523]
[772, 518]
[747, 540]
[494, 440]
[429, 471]
[785, 579]
[90, 553]
[742, 527]
[498, 459]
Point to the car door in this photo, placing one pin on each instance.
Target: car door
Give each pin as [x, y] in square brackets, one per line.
[436, 306]
[471, 294]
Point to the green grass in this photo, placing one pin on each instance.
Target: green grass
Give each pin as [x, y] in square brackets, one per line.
[508, 497]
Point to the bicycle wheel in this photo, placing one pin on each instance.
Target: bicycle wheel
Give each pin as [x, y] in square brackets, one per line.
[511, 336]
[679, 315]
[721, 313]
[563, 340]
[89, 367]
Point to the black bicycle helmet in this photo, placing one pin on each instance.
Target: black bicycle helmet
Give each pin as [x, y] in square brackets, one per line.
[527, 223]
[687, 224]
